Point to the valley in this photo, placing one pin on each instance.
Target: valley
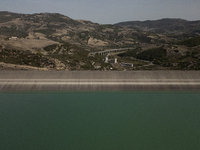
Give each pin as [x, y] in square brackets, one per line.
[51, 41]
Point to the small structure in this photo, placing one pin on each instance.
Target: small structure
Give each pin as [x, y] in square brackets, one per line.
[106, 59]
[126, 64]
[13, 38]
[115, 60]
[98, 67]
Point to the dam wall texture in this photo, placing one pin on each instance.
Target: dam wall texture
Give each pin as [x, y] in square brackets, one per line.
[99, 80]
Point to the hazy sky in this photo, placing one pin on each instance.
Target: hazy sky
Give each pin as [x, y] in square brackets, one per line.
[109, 11]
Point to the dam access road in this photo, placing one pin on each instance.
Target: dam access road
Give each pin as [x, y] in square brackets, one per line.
[99, 80]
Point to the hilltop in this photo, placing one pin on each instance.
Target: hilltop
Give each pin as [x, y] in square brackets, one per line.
[165, 26]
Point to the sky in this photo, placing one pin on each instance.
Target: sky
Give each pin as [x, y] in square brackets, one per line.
[108, 11]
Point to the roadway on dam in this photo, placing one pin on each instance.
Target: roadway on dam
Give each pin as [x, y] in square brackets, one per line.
[99, 80]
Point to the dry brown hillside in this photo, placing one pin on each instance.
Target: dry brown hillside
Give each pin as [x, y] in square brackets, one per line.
[53, 41]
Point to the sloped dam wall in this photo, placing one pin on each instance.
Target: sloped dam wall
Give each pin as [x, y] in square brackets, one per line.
[99, 80]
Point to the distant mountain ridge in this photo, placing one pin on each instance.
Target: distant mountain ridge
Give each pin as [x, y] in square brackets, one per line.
[164, 26]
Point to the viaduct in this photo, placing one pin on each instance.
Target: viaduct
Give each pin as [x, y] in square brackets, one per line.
[106, 52]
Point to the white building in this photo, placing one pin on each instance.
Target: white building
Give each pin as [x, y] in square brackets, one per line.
[13, 38]
[115, 60]
[106, 59]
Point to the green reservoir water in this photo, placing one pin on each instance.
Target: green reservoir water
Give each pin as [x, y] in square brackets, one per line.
[100, 121]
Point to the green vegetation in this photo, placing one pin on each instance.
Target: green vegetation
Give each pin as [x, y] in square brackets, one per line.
[116, 30]
[12, 32]
[46, 31]
[7, 16]
[23, 58]
[155, 54]
[141, 37]
[191, 42]
[68, 46]
[51, 47]
[129, 53]
[6, 39]
[73, 60]
[84, 35]
[75, 55]
[79, 60]
[106, 26]
[51, 17]
[79, 55]
[54, 18]
[39, 53]
[60, 18]
[71, 34]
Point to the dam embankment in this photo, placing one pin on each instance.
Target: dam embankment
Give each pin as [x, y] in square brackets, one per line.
[99, 80]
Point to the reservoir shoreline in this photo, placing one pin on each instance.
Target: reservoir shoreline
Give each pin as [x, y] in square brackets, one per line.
[99, 80]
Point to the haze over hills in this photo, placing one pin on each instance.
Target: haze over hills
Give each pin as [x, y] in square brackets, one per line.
[165, 26]
[57, 42]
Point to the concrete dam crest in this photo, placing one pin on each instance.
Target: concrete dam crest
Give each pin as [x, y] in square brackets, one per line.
[99, 80]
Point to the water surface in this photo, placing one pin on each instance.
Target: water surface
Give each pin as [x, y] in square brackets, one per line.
[100, 121]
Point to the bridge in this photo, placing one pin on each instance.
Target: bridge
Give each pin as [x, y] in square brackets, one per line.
[106, 52]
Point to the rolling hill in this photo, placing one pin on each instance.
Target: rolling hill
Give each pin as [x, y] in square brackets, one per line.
[164, 26]
[52, 41]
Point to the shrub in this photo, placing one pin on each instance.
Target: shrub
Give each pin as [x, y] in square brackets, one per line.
[129, 53]
[46, 31]
[12, 32]
[39, 53]
[158, 54]
[51, 47]
[191, 42]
